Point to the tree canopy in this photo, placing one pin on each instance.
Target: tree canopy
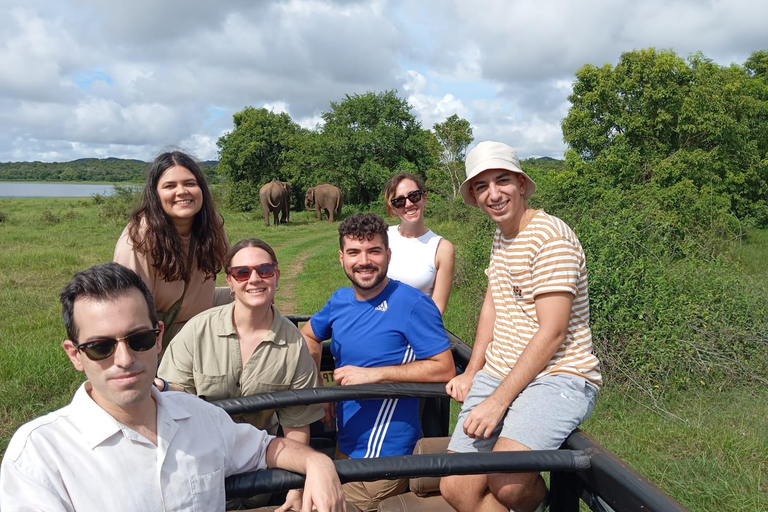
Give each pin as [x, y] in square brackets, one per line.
[365, 139]
[255, 152]
[657, 118]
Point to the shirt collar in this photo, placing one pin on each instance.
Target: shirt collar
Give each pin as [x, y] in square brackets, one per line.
[97, 425]
[226, 324]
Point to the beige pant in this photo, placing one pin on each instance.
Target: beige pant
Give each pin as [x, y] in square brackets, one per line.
[368, 495]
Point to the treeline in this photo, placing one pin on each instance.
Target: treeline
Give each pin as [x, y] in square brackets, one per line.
[115, 170]
[364, 139]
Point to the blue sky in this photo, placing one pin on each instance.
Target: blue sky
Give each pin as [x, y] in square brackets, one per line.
[100, 78]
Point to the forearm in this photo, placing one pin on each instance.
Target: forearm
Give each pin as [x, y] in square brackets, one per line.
[534, 358]
[439, 368]
[291, 455]
[298, 434]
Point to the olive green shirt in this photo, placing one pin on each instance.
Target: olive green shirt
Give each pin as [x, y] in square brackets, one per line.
[204, 359]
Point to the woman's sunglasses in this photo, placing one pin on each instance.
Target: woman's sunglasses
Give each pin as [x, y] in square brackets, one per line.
[243, 273]
[98, 350]
[413, 196]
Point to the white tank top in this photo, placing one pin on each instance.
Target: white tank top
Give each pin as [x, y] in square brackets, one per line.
[413, 259]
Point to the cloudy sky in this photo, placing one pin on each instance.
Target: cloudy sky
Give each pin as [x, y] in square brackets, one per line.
[99, 78]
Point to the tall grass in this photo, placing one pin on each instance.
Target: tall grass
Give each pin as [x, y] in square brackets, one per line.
[706, 447]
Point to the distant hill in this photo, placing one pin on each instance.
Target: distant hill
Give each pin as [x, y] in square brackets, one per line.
[88, 169]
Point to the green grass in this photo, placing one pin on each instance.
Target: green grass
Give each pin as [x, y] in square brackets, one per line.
[708, 449]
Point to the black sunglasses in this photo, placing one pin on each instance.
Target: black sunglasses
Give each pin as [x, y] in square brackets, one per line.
[102, 348]
[414, 197]
[243, 272]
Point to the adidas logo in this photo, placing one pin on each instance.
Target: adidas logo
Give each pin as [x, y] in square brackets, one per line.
[382, 307]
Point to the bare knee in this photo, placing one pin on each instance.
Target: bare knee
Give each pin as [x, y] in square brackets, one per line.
[517, 491]
[461, 492]
[449, 488]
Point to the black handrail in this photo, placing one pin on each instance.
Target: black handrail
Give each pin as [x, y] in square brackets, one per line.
[432, 465]
[309, 396]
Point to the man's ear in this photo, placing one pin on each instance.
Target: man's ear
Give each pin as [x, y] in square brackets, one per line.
[341, 258]
[159, 339]
[71, 349]
[523, 184]
[389, 255]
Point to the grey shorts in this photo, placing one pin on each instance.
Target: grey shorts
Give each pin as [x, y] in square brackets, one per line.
[541, 417]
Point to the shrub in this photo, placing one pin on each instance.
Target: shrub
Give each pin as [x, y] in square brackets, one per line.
[49, 217]
[117, 207]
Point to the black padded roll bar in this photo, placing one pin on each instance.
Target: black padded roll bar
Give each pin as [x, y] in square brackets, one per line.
[275, 480]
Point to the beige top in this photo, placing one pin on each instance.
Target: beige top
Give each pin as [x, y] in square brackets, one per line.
[204, 359]
[544, 257]
[199, 295]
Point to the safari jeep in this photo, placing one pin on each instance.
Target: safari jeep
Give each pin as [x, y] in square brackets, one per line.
[582, 473]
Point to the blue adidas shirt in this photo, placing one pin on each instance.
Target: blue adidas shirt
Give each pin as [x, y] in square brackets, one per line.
[398, 326]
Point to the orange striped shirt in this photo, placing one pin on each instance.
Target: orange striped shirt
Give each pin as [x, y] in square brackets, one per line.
[544, 257]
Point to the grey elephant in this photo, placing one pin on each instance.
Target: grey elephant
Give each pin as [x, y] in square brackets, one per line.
[324, 197]
[275, 197]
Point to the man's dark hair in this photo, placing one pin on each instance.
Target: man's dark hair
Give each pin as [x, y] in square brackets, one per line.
[101, 282]
[363, 226]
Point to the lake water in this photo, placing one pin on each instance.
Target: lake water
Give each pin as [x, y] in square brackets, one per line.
[35, 189]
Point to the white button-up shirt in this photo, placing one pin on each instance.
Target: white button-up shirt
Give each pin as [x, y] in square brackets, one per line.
[81, 458]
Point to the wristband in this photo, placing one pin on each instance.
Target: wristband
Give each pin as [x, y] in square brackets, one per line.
[165, 384]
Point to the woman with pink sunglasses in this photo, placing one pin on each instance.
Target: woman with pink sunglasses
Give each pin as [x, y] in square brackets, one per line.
[420, 257]
[246, 347]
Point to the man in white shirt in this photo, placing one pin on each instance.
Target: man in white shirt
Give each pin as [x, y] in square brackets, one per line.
[123, 445]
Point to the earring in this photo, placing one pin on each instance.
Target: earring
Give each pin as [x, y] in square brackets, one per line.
[231, 293]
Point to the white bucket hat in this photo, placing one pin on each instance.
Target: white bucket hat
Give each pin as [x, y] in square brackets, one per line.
[493, 155]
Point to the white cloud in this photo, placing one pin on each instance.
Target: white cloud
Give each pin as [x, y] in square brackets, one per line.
[103, 78]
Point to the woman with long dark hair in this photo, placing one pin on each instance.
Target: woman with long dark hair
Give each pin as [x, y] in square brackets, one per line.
[175, 240]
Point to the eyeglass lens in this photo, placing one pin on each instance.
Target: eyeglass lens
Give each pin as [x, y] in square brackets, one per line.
[104, 348]
[243, 273]
[414, 196]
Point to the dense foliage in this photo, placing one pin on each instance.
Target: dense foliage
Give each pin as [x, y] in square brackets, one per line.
[364, 139]
[255, 152]
[691, 126]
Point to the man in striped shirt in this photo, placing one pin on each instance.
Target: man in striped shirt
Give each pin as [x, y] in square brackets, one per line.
[533, 376]
[381, 330]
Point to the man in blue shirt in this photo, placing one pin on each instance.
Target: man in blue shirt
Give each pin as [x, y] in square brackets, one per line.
[381, 330]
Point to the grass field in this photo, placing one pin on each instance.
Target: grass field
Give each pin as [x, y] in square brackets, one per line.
[709, 450]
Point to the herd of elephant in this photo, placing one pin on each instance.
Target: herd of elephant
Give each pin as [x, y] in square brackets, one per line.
[275, 197]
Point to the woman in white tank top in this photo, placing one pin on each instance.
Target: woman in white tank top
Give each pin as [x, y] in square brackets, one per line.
[420, 258]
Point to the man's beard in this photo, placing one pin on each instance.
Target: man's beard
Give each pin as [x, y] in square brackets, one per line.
[373, 283]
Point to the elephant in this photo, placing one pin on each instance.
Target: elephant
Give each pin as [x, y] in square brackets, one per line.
[324, 197]
[275, 197]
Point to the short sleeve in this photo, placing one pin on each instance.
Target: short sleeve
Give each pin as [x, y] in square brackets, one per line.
[425, 331]
[557, 267]
[177, 363]
[246, 445]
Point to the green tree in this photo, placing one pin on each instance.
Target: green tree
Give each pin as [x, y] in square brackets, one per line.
[454, 135]
[255, 153]
[657, 118]
[367, 138]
